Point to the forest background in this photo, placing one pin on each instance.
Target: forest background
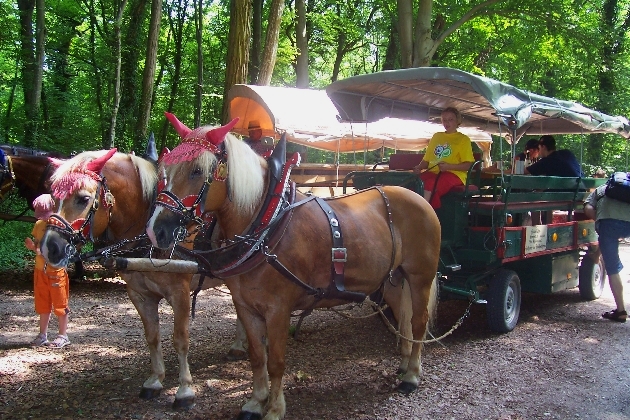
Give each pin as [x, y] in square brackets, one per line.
[81, 75]
[89, 74]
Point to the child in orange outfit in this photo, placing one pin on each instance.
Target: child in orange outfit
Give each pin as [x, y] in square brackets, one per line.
[51, 285]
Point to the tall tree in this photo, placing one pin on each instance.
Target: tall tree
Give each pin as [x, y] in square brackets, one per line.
[109, 141]
[238, 51]
[255, 49]
[148, 76]
[270, 51]
[199, 39]
[301, 42]
[32, 55]
[614, 26]
[418, 49]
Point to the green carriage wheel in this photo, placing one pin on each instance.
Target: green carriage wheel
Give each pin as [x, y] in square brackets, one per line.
[504, 301]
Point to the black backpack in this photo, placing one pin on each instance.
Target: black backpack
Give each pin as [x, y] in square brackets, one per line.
[618, 186]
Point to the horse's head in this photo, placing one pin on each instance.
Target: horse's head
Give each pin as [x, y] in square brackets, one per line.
[84, 205]
[209, 171]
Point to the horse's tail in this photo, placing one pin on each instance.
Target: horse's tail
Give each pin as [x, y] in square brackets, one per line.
[433, 302]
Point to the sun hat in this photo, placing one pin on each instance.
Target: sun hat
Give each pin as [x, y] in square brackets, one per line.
[43, 205]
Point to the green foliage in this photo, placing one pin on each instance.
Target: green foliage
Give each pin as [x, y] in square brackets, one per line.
[13, 253]
[561, 48]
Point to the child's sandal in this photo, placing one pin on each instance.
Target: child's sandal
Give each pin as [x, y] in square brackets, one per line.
[615, 315]
[59, 342]
[40, 340]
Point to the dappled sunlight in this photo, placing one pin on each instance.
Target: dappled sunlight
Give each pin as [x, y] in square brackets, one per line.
[19, 363]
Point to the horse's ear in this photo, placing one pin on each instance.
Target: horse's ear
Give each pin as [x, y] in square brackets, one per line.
[181, 129]
[217, 135]
[97, 164]
[151, 152]
[55, 162]
[164, 152]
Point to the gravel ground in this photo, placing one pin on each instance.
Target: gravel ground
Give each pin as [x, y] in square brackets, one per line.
[563, 361]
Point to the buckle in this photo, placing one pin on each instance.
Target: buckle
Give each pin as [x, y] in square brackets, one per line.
[341, 258]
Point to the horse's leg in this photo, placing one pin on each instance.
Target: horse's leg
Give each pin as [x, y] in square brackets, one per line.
[147, 306]
[423, 292]
[177, 294]
[238, 350]
[398, 298]
[277, 333]
[257, 350]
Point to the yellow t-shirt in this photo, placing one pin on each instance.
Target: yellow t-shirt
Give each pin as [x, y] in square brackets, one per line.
[450, 148]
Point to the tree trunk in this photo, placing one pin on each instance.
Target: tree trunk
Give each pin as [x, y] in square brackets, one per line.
[238, 53]
[417, 50]
[255, 48]
[405, 31]
[132, 47]
[199, 38]
[97, 77]
[270, 52]
[9, 106]
[148, 76]
[110, 140]
[301, 41]
[32, 55]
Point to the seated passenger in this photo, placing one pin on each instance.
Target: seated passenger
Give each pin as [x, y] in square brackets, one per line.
[530, 153]
[446, 162]
[554, 162]
[259, 143]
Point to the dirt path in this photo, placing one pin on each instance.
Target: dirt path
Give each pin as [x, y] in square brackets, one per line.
[561, 362]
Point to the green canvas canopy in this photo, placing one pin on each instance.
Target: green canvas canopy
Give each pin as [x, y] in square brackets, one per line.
[486, 104]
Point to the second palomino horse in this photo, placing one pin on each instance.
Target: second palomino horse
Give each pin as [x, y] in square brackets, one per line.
[107, 197]
[282, 251]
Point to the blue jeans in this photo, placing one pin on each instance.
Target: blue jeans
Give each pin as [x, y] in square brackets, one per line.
[610, 231]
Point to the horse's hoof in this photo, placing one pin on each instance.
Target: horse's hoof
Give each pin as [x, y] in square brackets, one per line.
[406, 388]
[248, 415]
[236, 355]
[183, 403]
[150, 393]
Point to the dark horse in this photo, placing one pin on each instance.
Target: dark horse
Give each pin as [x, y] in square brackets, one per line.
[281, 255]
[27, 174]
[108, 196]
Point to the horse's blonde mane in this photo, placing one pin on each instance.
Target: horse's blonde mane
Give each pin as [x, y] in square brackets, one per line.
[246, 174]
[146, 171]
[148, 176]
[246, 171]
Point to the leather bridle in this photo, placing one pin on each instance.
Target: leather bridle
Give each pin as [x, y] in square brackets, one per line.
[80, 231]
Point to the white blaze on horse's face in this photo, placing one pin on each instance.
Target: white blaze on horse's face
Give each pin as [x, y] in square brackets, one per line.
[183, 180]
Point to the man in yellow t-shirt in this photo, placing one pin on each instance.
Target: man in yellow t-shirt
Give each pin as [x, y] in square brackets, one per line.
[446, 162]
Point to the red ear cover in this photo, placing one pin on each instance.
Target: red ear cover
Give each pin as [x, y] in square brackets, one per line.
[217, 135]
[97, 164]
[181, 129]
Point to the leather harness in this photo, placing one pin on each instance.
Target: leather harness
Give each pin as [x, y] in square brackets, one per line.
[257, 244]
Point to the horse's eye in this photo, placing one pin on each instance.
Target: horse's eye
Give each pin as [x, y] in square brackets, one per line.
[196, 172]
[83, 200]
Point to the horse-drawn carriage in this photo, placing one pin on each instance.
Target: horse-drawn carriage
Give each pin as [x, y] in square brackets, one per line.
[490, 251]
[279, 251]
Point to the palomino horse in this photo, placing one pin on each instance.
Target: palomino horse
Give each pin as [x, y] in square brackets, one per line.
[107, 197]
[281, 255]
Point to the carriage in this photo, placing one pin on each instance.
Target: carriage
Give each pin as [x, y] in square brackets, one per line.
[490, 251]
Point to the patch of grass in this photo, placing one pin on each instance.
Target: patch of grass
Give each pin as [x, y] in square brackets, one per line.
[13, 253]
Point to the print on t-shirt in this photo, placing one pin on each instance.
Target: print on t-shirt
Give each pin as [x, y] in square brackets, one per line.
[442, 151]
